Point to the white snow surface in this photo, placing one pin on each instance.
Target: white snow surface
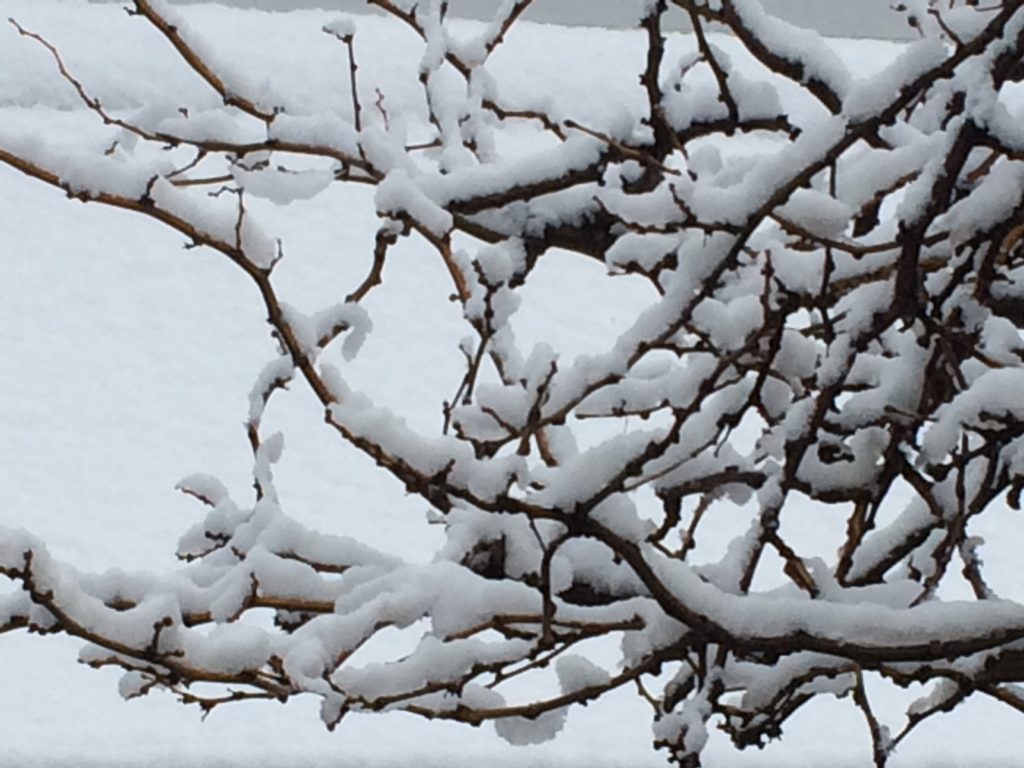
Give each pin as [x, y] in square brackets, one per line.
[129, 362]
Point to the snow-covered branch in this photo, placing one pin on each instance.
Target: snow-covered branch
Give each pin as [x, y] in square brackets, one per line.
[835, 318]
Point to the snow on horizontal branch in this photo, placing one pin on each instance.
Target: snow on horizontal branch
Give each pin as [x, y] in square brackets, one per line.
[800, 292]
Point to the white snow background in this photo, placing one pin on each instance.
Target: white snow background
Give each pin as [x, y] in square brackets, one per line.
[125, 363]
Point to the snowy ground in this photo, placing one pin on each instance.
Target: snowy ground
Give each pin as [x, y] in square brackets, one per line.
[127, 361]
[863, 19]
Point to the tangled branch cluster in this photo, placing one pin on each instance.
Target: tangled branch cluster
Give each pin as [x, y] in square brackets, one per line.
[836, 317]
